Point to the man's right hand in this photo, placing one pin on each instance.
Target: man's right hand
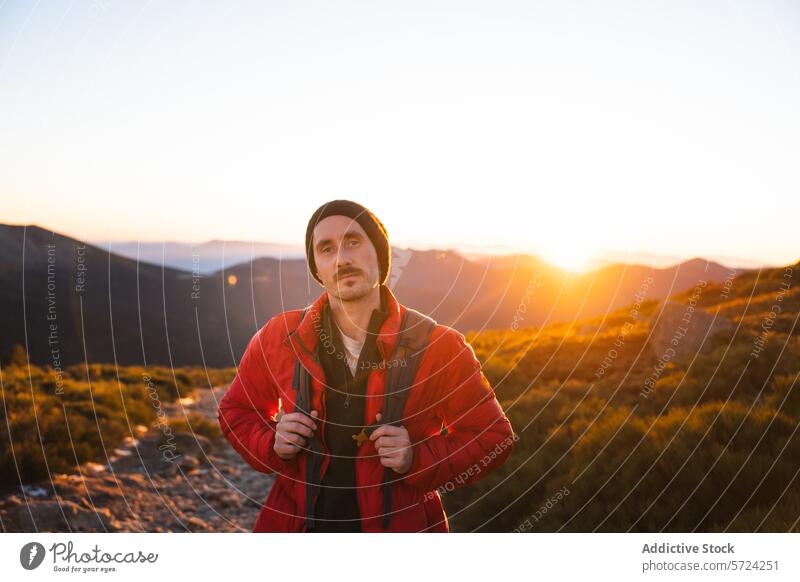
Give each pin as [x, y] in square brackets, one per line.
[292, 433]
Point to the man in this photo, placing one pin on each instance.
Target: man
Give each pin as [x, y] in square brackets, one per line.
[452, 432]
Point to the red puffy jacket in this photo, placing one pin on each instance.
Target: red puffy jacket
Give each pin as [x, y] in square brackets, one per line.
[450, 389]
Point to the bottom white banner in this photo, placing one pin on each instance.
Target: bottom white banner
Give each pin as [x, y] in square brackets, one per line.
[392, 557]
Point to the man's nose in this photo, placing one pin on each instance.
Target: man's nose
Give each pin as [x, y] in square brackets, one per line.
[344, 258]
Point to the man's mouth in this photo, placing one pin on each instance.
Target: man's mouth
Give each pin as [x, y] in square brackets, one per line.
[348, 275]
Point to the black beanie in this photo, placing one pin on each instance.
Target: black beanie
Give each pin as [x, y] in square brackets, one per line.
[369, 222]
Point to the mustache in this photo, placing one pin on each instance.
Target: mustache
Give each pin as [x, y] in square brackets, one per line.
[347, 272]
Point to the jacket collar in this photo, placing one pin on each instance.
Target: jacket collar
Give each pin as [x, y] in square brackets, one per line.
[306, 337]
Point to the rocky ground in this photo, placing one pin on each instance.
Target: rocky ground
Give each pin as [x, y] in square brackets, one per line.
[208, 487]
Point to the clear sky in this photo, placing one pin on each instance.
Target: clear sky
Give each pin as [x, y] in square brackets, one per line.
[567, 129]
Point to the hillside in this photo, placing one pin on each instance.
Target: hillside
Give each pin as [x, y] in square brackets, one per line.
[663, 416]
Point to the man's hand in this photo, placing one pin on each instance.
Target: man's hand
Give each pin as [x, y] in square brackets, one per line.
[393, 446]
[292, 433]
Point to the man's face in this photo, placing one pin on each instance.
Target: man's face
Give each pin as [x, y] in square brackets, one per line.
[347, 263]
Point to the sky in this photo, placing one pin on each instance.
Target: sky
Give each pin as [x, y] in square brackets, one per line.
[571, 130]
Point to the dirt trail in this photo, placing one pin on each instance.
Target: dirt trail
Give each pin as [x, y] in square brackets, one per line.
[209, 488]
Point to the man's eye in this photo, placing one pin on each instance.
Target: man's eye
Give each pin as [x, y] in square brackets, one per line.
[326, 249]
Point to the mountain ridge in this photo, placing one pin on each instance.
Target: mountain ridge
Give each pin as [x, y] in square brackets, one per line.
[135, 312]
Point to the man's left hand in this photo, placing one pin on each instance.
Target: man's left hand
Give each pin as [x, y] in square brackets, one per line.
[394, 446]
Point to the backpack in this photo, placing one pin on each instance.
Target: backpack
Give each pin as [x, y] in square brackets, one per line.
[412, 340]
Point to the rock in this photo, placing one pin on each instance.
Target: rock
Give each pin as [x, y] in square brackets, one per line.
[102, 494]
[230, 499]
[132, 479]
[188, 462]
[34, 491]
[150, 456]
[187, 443]
[195, 524]
[49, 516]
[92, 520]
[223, 497]
[43, 516]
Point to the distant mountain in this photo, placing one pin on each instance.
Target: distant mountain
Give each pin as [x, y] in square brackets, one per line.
[205, 257]
[524, 291]
[65, 299]
[66, 302]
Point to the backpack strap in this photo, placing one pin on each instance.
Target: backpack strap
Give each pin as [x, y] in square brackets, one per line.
[301, 383]
[413, 337]
[412, 340]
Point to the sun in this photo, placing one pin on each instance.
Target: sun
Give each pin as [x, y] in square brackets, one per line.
[570, 245]
[571, 257]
